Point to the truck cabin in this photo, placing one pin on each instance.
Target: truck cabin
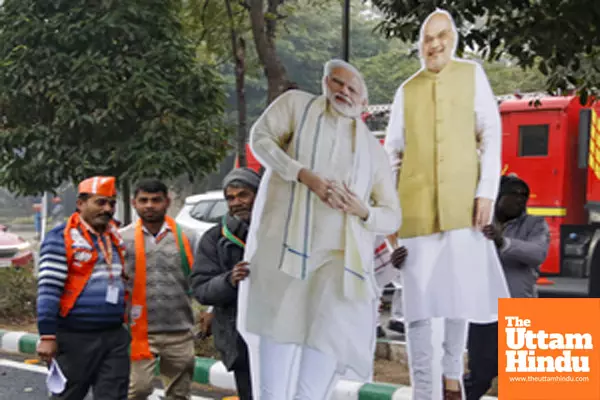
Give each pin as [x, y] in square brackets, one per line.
[545, 142]
[539, 144]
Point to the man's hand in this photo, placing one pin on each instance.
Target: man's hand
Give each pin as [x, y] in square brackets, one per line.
[205, 323]
[482, 214]
[393, 240]
[399, 256]
[316, 184]
[493, 232]
[239, 273]
[46, 349]
[347, 201]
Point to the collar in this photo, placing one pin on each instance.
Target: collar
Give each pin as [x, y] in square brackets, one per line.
[237, 226]
[162, 231]
[516, 219]
[439, 75]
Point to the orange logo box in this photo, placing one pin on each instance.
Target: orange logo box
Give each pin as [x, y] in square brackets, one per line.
[549, 349]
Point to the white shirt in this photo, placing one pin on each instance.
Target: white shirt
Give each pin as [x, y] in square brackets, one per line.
[487, 124]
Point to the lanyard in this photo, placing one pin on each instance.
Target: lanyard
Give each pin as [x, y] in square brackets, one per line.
[227, 233]
[105, 249]
[107, 252]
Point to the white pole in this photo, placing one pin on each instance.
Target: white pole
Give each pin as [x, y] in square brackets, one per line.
[44, 215]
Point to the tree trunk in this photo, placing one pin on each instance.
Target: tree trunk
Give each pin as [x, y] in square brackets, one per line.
[126, 193]
[263, 32]
[238, 49]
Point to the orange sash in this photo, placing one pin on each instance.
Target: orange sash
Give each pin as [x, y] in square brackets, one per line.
[81, 261]
[140, 348]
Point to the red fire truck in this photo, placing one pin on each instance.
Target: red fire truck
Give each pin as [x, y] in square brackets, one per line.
[553, 143]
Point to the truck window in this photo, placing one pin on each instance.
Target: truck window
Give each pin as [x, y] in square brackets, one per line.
[533, 140]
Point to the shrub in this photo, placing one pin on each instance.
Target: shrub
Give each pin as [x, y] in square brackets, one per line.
[18, 292]
[206, 348]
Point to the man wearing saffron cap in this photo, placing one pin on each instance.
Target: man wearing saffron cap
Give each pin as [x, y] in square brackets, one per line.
[327, 192]
[81, 297]
[158, 262]
[444, 137]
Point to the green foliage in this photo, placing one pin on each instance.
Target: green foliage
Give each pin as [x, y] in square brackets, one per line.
[559, 37]
[104, 87]
[312, 35]
[18, 292]
[207, 23]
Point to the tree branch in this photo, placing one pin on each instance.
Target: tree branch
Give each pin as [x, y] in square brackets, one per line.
[203, 18]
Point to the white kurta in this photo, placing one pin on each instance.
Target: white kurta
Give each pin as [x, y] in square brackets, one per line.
[312, 312]
[455, 274]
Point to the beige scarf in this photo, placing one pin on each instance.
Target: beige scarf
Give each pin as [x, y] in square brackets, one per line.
[296, 253]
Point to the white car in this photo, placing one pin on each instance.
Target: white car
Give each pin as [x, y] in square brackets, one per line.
[202, 211]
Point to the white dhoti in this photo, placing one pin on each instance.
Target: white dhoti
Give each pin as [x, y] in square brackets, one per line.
[325, 324]
[440, 273]
[438, 279]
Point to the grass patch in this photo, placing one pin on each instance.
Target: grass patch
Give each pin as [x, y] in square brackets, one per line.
[206, 348]
[18, 292]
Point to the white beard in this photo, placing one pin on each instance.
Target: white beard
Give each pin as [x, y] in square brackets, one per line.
[344, 109]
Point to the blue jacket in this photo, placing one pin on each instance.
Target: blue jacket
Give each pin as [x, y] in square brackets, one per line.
[91, 310]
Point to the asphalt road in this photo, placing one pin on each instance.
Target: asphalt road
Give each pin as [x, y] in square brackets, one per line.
[19, 381]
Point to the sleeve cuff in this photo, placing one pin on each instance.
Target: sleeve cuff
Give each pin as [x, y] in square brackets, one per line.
[294, 170]
[370, 219]
[47, 329]
[227, 277]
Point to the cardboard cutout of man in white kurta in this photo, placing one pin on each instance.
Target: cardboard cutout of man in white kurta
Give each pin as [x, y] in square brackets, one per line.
[444, 143]
[308, 309]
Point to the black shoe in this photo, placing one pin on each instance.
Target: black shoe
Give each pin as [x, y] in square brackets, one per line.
[396, 326]
[380, 332]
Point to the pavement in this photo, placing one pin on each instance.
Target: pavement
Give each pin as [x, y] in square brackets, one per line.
[21, 381]
[207, 371]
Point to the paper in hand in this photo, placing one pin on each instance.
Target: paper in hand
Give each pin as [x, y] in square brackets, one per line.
[56, 381]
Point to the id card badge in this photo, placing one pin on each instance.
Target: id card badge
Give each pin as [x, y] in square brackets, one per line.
[112, 294]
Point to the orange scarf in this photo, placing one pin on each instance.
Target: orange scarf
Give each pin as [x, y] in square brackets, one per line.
[83, 259]
[140, 348]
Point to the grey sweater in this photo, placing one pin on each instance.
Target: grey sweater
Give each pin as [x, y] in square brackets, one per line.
[526, 242]
[169, 305]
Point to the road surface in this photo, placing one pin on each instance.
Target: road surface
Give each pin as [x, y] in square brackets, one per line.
[20, 381]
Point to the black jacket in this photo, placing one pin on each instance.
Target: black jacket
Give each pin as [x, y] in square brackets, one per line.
[215, 258]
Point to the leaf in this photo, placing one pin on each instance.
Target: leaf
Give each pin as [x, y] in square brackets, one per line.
[72, 101]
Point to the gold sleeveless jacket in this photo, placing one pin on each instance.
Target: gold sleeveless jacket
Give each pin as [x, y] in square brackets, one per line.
[440, 167]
